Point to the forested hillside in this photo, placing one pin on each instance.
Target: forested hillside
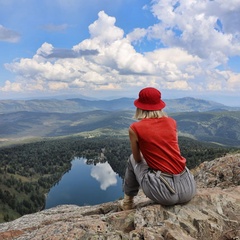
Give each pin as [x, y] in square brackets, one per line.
[28, 171]
[221, 127]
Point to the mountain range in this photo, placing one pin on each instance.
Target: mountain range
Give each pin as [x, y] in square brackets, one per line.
[77, 105]
[198, 119]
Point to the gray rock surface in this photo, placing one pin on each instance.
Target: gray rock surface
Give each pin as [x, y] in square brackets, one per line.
[213, 214]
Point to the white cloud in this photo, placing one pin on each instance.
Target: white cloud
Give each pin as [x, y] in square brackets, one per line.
[136, 35]
[231, 79]
[197, 39]
[104, 29]
[228, 13]
[45, 49]
[9, 86]
[192, 25]
[177, 85]
[57, 85]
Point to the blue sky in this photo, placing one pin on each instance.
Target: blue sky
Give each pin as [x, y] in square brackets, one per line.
[109, 49]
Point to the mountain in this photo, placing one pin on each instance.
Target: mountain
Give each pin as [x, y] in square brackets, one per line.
[39, 124]
[189, 104]
[222, 127]
[75, 105]
[199, 119]
[212, 214]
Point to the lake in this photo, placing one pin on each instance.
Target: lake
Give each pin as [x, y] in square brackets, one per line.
[86, 184]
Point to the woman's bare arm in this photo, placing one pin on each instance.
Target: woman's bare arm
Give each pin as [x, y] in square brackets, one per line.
[134, 145]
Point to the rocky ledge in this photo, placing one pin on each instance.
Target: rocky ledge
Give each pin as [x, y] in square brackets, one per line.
[214, 213]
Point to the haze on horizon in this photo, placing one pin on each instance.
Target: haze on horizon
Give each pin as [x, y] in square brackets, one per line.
[105, 49]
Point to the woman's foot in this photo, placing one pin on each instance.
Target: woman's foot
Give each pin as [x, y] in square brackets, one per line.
[127, 203]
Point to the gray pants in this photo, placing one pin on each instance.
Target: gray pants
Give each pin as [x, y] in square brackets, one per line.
[138, 175]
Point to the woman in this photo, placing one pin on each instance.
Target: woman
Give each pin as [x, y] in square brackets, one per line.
[156, 164]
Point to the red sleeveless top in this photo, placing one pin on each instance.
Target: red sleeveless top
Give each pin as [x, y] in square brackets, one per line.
[158, 143]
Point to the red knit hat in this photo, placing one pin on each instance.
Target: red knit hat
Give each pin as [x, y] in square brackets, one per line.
[149, 99]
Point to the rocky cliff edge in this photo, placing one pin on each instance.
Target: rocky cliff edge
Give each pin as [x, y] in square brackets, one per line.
[214, 213]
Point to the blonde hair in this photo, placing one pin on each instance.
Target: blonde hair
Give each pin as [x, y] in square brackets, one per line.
[141, 114]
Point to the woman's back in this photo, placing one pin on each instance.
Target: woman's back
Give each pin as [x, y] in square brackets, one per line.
[157, 138]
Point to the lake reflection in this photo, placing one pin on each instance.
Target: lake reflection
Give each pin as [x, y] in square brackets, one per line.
[86, 185]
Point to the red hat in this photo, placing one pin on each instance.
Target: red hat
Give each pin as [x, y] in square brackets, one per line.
[149, 99]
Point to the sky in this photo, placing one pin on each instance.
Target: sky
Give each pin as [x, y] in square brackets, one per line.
[105, 49]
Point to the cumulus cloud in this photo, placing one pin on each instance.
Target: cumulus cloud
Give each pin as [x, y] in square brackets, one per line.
[15, 87]
[208, 29]
[104, 29]
[136, 35]
[8, 35]
[196, 36]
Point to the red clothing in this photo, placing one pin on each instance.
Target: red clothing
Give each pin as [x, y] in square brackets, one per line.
[158, 143]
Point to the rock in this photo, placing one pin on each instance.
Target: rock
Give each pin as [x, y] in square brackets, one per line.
[214, 213]
[223, 172]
